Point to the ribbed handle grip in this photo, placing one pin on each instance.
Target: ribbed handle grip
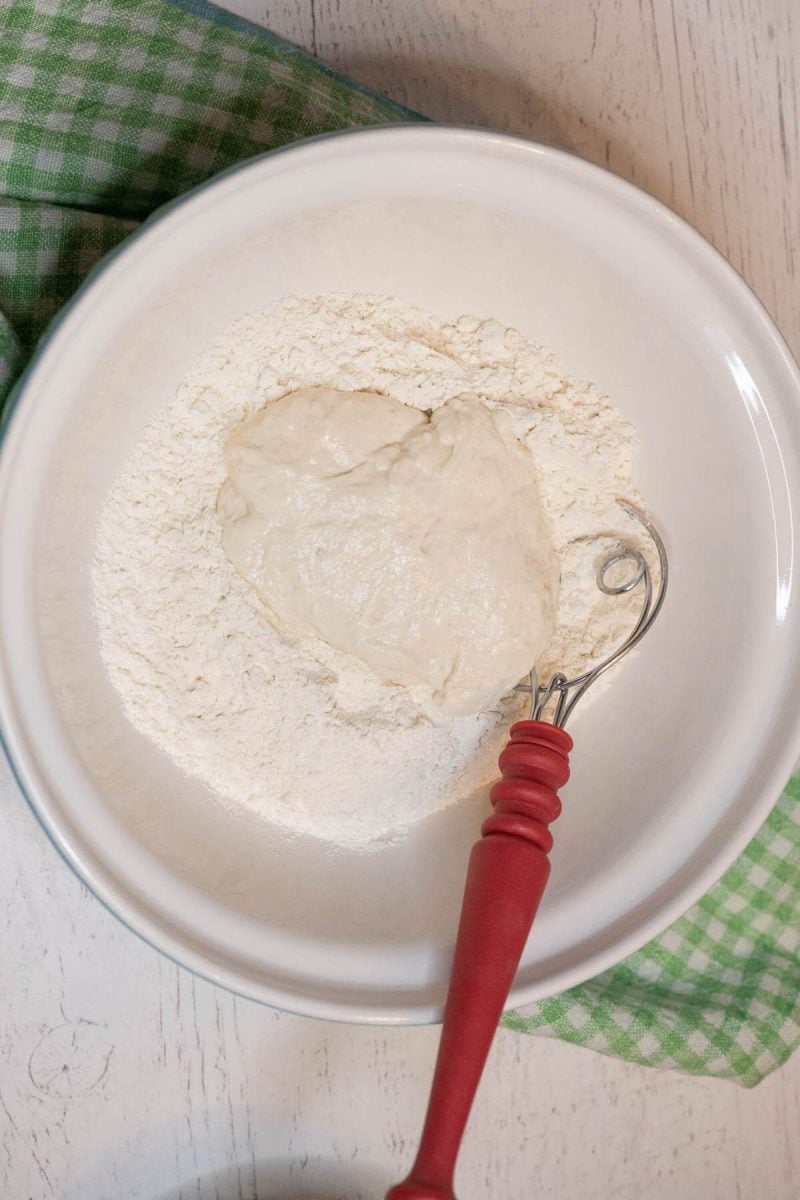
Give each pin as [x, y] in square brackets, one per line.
[508, 870]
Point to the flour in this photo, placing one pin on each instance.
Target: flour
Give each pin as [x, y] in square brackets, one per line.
[296, 733]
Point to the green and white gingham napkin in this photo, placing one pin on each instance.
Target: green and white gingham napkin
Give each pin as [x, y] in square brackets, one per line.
[110, 107]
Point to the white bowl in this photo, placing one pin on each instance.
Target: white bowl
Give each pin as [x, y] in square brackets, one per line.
[675, 766]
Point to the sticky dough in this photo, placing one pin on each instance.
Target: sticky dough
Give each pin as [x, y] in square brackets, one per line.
[415, 543]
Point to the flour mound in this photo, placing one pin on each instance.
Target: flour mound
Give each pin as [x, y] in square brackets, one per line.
[184, 637]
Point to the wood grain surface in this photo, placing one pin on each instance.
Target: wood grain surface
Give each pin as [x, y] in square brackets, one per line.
[122, 1077]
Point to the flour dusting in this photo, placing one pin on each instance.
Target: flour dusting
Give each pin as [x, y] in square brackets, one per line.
[295, 732]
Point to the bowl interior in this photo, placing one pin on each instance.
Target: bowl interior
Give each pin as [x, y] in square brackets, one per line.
[675, 763]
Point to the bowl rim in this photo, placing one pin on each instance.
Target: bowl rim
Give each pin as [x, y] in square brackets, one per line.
[133, 913]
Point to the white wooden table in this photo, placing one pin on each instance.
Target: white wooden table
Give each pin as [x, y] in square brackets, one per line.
[122, 1077]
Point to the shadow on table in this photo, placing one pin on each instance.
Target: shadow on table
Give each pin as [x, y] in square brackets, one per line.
[285, 1179]
[489, 96]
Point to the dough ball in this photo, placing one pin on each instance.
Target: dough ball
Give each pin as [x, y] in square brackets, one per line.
[415, 543]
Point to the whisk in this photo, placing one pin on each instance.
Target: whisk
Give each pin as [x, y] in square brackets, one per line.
[507, 874]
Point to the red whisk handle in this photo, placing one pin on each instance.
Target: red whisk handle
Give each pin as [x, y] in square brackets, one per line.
[507, 873]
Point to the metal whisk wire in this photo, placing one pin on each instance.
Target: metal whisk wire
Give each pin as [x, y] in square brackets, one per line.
[559, 694]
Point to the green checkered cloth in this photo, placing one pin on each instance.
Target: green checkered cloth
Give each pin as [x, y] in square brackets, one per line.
[718, 993]
[110, 107]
